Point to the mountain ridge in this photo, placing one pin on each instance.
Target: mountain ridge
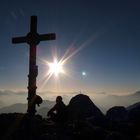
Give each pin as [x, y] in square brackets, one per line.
[104, 102]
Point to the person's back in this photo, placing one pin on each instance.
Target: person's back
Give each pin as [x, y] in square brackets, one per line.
[61, 111]
[58, 113]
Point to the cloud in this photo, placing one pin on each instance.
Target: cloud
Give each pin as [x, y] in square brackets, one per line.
[10, 92]
[102, 99]
[4, 93]
[102, 93]
[9, 97]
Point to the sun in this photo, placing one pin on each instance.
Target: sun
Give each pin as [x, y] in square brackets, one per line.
[55, 68]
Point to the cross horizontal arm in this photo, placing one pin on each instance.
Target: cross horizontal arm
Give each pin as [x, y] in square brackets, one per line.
[16, 40]
[50, 36]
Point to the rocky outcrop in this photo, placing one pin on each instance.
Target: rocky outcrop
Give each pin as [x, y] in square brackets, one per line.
[117, 113]
[81, 107]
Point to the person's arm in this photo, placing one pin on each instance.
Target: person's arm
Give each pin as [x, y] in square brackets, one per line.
[51, 110]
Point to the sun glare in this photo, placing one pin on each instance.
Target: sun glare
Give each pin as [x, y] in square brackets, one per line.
[55, 68]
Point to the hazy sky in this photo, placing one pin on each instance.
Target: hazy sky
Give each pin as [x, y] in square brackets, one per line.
[109, 30]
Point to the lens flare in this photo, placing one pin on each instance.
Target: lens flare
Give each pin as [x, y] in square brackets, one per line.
[55, 68]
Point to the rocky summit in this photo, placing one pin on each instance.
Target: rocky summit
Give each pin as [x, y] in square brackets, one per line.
[81, 107]
[85, 121]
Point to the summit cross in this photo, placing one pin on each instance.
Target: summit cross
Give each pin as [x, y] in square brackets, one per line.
[33, 39]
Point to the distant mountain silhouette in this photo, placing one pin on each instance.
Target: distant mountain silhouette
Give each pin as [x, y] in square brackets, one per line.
[81, 107]
[134, 112]
[107, 101]
[136, 105]
[14, 108]
[136, 94]
[43, 111]
[22, 108]
[120, 113]
[103, 101]
[1, 104]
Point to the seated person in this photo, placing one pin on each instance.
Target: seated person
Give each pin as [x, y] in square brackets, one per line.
[58, 112]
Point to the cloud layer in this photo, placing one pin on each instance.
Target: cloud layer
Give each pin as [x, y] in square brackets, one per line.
[103, 100]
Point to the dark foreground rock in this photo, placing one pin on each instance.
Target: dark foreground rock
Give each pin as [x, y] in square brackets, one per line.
[21, 127]
[117, 113]
[134, 113]
[84, 124]
[81, 107]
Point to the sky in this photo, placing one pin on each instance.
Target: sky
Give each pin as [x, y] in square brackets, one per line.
[106, 34]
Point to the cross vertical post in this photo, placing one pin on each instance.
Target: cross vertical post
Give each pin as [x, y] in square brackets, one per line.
[33, 39]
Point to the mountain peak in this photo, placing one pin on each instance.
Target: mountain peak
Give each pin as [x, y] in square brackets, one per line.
[81, 107]
[137, 93]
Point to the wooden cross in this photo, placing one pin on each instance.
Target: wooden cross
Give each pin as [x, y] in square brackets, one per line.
[33, 39]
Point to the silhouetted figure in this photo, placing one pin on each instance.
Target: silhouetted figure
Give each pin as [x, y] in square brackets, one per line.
[58, 112]
[38, 100]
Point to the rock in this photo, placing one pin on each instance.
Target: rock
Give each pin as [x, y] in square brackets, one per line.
[116, 136]
[117, 113]
[134, 114]
[81, 107]
[136, 105]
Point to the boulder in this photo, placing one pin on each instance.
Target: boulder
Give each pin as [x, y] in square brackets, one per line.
[81, 107]
[134, 114]
[116, 136]
[117, 113]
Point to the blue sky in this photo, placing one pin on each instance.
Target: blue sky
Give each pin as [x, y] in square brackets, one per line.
[110, 59]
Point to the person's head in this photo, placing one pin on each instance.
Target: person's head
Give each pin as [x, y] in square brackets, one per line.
[58, 99]
[38, 100]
